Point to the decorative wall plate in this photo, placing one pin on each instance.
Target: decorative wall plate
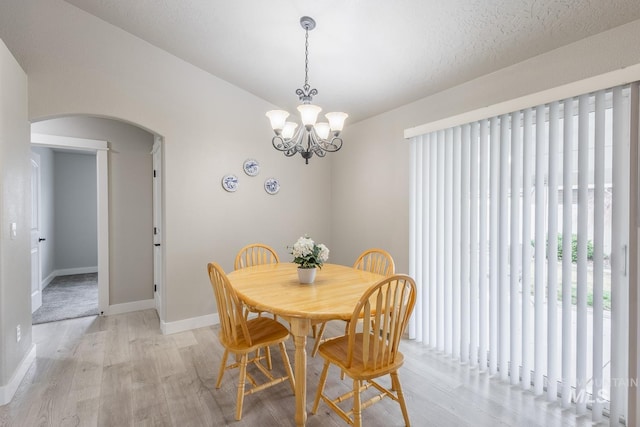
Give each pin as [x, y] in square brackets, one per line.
[271, 185]
[251, 167]
[230, 183]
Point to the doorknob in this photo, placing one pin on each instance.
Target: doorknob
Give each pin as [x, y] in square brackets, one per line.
[41, 239]
[156, 244]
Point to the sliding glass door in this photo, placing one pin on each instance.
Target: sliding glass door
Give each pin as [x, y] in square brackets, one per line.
[519, 237]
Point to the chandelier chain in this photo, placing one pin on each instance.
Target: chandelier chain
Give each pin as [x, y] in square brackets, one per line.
[306, 59]
[306, 94]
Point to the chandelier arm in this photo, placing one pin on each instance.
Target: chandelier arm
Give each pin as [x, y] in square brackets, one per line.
[315, 140]
[287, 144]
[279, 143]
[311, 141]
[331, 146]
[294, 144]
[298, 137]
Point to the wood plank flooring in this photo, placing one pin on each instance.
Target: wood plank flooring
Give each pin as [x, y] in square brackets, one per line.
[121, 371]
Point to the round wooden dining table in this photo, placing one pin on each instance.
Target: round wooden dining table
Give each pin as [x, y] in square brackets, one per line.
[275, 288]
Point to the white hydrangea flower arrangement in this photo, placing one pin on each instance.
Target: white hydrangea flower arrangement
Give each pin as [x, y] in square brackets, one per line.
[309, 255]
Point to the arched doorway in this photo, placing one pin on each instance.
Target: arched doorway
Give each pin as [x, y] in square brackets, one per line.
[125, 222]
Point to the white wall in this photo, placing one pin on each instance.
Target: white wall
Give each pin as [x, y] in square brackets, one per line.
[75, 210]
[130, 199]
[15, 205]
[79, 64]
[370, 185]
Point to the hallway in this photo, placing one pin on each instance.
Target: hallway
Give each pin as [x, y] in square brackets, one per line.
[68, 297]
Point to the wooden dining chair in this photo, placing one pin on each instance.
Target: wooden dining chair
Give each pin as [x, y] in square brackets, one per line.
[376, 261]
[372, 260]
[241, 337]
[367, 355]
[255, 254]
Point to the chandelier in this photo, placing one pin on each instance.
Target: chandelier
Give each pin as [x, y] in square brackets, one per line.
[312, 137]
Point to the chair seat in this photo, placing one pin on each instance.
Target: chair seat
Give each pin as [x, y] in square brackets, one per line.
[264, 331]
[335, 349]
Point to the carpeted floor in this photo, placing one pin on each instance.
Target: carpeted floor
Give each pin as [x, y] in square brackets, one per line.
[68, 297]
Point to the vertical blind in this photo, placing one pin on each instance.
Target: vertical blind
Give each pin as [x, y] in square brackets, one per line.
[518, 237]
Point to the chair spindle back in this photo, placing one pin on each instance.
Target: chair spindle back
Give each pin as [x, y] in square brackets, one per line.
[385, 310]
[233, 326]
[255, 254]
[376, 261]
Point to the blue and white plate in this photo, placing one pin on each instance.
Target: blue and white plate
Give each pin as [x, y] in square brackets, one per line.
[251, 167]
[271, 185]
[230, 183]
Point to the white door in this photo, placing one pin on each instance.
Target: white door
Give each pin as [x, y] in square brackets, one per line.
[157, 227]
[36, 274]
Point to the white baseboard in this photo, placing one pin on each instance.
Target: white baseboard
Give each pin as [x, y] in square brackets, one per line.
[8, 391]
[128, 307]
[79, 270]
[48, 279]
[188, 324]
[67, 272]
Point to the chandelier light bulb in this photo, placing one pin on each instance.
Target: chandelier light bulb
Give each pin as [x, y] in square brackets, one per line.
[277, 118]
[309, 114]
[336, 120]
[289, 129]
[322, 129]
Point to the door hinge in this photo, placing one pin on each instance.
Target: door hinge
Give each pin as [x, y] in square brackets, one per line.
[155, 230]
[154, 173]
[155, 288]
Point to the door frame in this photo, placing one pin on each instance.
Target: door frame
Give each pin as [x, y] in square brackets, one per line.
[101, 149]
[36, 270]
[158, 227]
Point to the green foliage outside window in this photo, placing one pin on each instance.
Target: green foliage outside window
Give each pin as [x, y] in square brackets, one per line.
[606, 292]
[606, 297]
[574, 247]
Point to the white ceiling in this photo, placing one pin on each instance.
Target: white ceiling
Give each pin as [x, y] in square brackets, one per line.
[366, 56]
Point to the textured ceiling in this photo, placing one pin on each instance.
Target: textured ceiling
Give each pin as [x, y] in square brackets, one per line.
[366, 56]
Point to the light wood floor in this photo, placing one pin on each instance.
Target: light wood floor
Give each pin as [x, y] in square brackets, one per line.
[120, 371]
